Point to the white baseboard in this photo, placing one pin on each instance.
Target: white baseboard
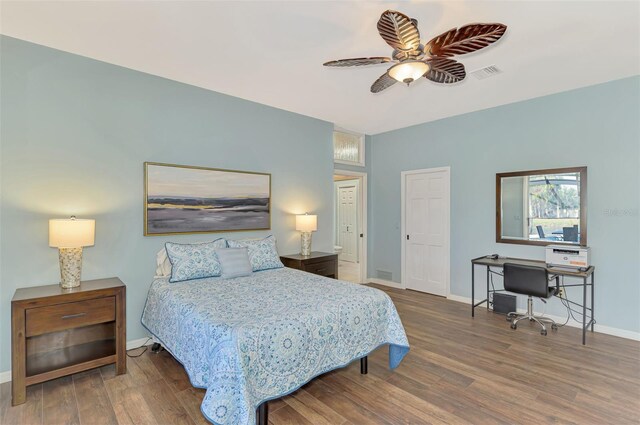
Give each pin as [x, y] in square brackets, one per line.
[623, 333]
[136, 343]
[389, 283]
[458, 298]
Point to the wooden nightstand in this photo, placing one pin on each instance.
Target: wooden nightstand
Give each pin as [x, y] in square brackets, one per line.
[321, 263]
[57, 332]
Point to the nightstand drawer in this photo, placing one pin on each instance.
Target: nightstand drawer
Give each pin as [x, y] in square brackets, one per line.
[321, 263]
[59, 317]
[324, 268]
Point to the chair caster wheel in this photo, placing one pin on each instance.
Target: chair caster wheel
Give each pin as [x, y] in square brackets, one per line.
[156, 348]
[543, 333]
[514, 326]
[508, 319]
[554, 327]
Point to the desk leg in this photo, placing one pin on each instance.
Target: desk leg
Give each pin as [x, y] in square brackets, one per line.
[473, 290]
[487, 288]
[584, 311]
[593, 313]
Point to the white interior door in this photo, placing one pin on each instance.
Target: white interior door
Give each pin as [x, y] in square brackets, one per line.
[426, 231]
[347, 214]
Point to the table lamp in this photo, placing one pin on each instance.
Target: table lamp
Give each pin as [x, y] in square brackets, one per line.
[306, 224]
[69, 236]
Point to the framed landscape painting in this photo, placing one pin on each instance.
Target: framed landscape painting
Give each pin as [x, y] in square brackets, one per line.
[185, 199]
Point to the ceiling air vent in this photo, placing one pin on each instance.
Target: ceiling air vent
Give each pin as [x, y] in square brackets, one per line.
[486, 72]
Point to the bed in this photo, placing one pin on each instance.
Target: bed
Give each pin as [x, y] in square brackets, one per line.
[256, 338]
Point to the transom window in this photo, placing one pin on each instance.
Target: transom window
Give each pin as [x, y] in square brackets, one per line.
[348, 148]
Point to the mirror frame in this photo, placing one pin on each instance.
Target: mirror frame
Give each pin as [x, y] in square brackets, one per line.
[583, 205]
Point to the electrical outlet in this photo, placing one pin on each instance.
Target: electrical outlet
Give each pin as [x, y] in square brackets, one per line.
[561, 293]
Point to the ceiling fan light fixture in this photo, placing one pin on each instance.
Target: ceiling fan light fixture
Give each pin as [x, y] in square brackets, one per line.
[408, 71]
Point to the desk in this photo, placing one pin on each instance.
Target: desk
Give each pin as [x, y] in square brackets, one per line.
[499, 263]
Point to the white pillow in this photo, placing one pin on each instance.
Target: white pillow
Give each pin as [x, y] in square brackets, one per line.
[163, 265]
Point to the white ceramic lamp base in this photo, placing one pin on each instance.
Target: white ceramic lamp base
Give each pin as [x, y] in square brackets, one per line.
[305, 239]
[70, 267]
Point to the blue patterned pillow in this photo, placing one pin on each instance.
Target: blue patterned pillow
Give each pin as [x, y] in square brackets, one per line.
[194, 261]
[263, 254]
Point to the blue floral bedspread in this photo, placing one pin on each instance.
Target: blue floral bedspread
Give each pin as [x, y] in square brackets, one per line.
[256, 338]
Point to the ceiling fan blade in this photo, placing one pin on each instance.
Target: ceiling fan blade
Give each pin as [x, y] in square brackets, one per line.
[358, 61]
[399, 31]
[466, 39]
[445, 71]
[385, 81]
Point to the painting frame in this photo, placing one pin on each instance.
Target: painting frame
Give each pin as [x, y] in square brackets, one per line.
[146, 203]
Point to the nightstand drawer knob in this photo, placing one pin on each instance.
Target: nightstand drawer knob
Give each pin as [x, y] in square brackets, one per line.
[73, 316]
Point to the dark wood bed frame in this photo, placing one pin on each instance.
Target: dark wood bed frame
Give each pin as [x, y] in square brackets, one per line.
[262, 412]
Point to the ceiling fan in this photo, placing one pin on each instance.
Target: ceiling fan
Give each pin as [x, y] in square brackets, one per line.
[433, 60]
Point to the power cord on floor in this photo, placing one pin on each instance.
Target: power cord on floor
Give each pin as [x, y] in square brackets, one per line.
[144, 344]
[544, 307]
[565, 301]
[568, 315]
[493, 288]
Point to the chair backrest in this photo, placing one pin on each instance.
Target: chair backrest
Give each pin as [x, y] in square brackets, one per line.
[540, 232]
[570, 234]
[527, 280]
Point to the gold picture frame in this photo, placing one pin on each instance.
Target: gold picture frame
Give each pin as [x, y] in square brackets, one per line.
[186, 199]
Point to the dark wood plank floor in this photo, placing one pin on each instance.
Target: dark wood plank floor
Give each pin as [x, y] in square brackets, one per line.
[459, 370]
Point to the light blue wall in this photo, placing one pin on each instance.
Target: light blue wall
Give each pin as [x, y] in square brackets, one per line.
[598, 126]
[75, 132]
[74, 135]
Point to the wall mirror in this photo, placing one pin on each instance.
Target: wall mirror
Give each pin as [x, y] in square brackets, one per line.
[542, 207]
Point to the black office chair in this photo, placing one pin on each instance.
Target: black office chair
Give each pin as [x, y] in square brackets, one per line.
[570, 234]
[534, 282]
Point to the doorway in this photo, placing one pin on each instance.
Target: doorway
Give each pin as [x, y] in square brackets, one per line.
[425, 230]
[350, 222]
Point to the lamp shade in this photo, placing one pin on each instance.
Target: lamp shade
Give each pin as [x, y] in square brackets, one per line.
[406, 72]
[306, 223]
[71, 233]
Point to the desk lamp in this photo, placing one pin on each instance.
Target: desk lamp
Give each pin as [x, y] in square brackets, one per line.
[69, 236]
[306, 224]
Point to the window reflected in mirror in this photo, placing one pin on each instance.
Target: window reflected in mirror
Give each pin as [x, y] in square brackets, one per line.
[541, 207]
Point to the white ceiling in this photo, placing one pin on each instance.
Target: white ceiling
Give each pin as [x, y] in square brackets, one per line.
[272, 52]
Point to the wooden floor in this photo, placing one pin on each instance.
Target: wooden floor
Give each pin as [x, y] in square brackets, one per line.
[349, 271]
[459, 370]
